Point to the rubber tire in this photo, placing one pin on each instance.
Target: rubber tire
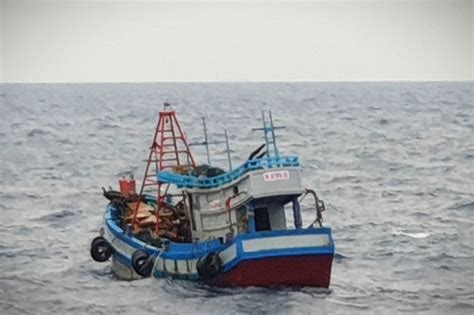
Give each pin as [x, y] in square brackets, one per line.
[142, 263]
[209, 266]
[101, 249]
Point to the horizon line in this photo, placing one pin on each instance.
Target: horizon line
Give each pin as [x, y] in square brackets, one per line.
[239, 81]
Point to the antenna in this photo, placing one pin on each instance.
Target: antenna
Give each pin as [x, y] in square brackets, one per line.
[227, 149]
[269, 134]
[206, 143]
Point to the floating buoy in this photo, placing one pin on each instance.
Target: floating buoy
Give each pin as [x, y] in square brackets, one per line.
[209, 266]
[101, 249]
[142, 263]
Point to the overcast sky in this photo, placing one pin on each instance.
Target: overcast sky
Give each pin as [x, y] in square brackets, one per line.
[149, 41]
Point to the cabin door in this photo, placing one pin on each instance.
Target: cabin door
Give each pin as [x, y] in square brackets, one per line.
[262, 219]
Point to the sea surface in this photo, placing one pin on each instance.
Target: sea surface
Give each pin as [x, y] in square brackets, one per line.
[393, 161]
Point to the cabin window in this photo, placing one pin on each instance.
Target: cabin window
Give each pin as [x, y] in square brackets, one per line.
[262, 220]
[235, 189]
[197, 204]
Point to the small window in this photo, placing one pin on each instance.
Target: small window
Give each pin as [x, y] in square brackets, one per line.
[235, 189]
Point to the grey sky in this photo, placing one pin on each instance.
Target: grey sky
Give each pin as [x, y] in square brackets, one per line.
[137, 41]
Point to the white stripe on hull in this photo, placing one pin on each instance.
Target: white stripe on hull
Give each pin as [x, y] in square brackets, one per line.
[188, 266]
[283, 242]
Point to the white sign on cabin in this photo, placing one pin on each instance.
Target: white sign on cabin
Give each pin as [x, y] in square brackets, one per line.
[276, 175]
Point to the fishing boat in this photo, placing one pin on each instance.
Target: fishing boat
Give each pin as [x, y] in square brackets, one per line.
[224, 228]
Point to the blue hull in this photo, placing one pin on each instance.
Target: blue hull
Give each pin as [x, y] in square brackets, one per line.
[313, 248]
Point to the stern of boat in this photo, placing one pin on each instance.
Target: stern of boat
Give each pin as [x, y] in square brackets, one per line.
[300, 257]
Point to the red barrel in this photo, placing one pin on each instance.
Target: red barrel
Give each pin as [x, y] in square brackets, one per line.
[124, 186]
[132, 185]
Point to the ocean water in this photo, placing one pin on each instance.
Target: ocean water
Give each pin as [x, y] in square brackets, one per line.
[393, 161]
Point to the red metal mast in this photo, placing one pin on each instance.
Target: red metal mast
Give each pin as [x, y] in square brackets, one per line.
[169, 149]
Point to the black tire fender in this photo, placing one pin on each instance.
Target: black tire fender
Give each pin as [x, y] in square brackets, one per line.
[142, 263]
[101, 250]
[209, 266]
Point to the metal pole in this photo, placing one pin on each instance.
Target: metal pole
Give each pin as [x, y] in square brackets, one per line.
[297, 213]
[265, 133]
[228, 149]
[205, 141]
[273, 135]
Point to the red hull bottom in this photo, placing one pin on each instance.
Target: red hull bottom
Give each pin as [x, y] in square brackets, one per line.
[313, 271]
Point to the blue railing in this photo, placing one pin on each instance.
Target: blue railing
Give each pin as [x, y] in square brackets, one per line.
[188, 181]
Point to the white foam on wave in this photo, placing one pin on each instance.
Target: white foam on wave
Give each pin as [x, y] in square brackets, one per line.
[413, 235]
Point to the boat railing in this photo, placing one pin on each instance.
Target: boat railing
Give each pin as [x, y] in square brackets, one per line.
[189, 181]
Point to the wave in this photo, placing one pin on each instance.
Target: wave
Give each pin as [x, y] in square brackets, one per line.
[466, 206]
[412, 235]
